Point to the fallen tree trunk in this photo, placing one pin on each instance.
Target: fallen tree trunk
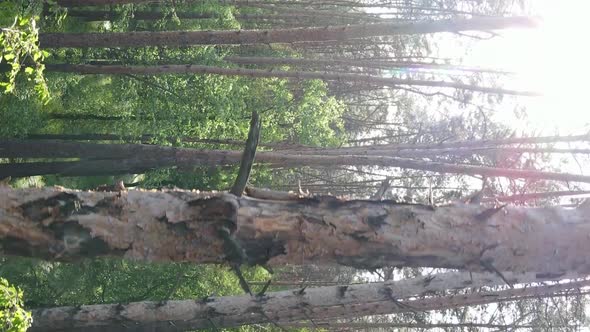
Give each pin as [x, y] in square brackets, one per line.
[184, 226]
[281, 307]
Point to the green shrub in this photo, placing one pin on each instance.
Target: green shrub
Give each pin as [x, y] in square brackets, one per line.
[13, 317]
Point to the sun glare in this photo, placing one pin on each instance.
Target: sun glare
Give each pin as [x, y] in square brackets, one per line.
[553, 59]
[561, 63]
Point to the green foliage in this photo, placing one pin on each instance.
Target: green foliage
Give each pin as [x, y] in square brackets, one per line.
[319, 117]
[203, 178]
[19, 50]
[13, 317]
[20, 113]
[112, 280]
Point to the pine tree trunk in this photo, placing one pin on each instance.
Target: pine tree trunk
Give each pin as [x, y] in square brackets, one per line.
[279, 307]
[534, 196]
[474, 143]
[105, 15]
[186, 38]
[84, 117]
[60, 224]
[145, 138]
[322, 63]
[138, 158]
[369, 326]
[327, 76]
[75, 3]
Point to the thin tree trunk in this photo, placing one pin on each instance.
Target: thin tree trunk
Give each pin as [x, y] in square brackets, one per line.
[278, 307]
[141, 158]
[76, 3]
[534, 196]
[391, 149]
[326, 13]
[146, 138]
[301, 283]
[58, 224]
[90, 137]
[431, 153]
[89, 116]
[332, 326]
[186, 38]
[106, 15]
[475, 143]
[244, 60]
[327, 76]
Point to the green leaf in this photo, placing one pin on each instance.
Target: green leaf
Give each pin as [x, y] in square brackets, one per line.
[29, 70]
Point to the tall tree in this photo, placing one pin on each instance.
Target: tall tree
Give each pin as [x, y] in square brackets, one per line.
[101, 159]
[197, 69]
[279, 307]
[186, 38]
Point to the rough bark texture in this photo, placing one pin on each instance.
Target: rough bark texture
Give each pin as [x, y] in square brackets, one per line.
[279, 307]
[344, 77]
[185, 38]
[58, 224]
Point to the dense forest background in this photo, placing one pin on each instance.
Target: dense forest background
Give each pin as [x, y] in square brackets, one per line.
[350, 99]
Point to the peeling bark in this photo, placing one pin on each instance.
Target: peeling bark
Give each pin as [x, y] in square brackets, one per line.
[59, 224]
[343, 301]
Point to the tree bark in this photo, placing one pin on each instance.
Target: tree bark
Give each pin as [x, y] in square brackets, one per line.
[106, 15]
[327, 76]
[104, 159]
[146, 138]
[375, 150]
[535, 196]
[473, 143]
[138, 158]
[245, 60]
[278, 307]
[75, 3]
[57, 224]
[89, 116]
[369, 326]
[186, 38]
